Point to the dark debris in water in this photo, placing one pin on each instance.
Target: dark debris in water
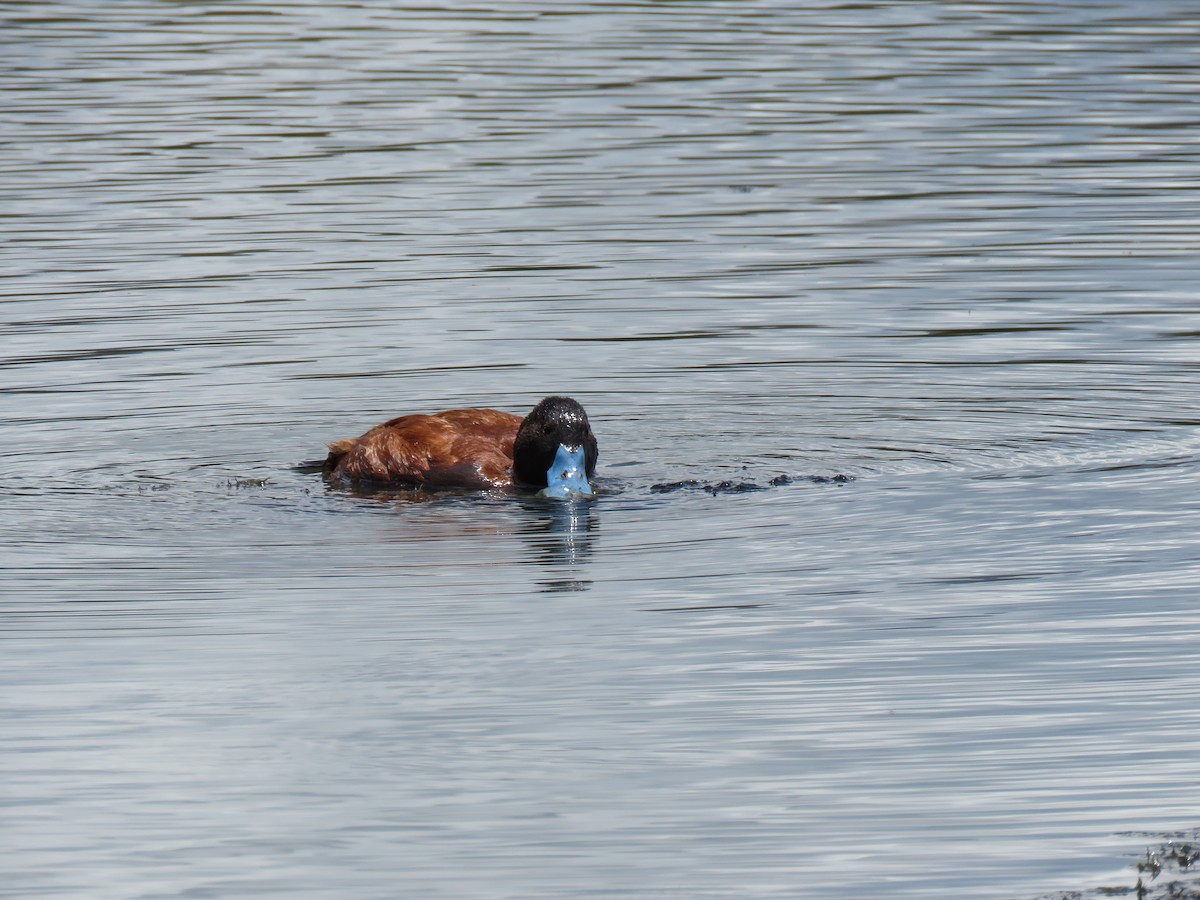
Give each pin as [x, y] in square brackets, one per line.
[743, 487]
[691, 484]
[1176, 862]
[244, 483]
[1175, 857]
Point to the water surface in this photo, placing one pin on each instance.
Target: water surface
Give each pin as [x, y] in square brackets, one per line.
[946, 250]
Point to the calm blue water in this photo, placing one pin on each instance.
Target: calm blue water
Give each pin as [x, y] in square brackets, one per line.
[947, 250]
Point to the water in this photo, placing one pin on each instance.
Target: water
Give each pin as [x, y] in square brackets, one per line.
[944, 249]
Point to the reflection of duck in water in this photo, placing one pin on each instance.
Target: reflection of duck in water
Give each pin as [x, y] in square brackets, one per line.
[552, 448]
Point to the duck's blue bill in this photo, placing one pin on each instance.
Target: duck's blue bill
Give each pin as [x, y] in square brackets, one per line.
[568, 476]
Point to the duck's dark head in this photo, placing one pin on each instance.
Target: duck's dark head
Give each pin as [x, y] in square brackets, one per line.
[555, 448]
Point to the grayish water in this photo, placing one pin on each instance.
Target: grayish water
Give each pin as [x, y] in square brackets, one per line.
[949, 249]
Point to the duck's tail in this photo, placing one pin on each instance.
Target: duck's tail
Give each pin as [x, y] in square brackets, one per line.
[337, 450]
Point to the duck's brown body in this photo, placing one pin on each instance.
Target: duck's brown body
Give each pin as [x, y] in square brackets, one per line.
[457, 448]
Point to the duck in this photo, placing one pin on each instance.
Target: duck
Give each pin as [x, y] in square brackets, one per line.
[552, 450]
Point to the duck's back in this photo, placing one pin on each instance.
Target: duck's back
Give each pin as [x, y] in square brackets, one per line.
[457, 448]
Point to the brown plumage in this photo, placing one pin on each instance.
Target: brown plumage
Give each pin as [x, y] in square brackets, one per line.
[470, 448]
[476, 448]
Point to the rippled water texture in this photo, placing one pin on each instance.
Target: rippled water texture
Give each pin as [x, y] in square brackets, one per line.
[947, 250]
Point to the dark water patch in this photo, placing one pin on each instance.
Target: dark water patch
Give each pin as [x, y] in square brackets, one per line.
[678, 336]
[727, 487]
[743, 487]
